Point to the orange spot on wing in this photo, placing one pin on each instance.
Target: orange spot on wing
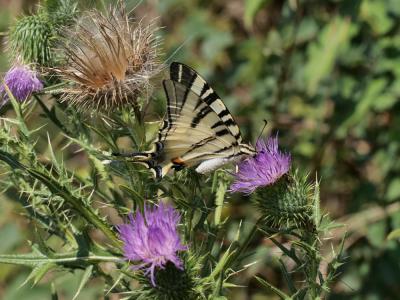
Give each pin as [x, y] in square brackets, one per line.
[178, 161]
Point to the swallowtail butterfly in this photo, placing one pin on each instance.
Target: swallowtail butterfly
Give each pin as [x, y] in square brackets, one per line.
[198, 129]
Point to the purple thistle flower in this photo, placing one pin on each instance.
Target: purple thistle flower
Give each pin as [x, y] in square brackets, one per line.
[265, 168]
[152, 238]
[21, 81]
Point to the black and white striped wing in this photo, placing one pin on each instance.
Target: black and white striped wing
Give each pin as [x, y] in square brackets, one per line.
[194, 82]
[188, 144]
[198, 126]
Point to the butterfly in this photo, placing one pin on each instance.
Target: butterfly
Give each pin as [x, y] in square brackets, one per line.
[198, 129]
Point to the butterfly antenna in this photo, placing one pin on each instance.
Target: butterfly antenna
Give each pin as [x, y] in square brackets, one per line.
[262, 130]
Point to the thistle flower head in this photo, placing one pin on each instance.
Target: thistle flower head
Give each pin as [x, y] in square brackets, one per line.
[152, 238]
[110, 60]
[22, 82]
[265, 168]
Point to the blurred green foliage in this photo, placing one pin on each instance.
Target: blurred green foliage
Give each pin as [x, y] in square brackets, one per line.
[326, 75]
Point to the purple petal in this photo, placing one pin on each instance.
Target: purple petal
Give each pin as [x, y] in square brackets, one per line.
[152, 238]
[22, 82]
[265, 168]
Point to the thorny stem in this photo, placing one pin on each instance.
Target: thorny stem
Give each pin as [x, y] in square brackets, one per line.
[52, 116]
[312, 264]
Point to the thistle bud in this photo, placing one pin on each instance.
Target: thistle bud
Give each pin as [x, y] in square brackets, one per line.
[287, 203]
[61, 12]
[174, 283]
[31, 40]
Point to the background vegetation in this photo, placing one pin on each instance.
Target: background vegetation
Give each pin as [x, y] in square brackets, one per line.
[326, 75]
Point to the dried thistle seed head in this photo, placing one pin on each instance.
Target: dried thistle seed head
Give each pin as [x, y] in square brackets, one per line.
[110, 60]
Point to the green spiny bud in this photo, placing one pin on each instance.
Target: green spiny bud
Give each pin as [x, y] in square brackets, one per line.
[173, 283]
[287, 203]
[31, 40]
[61, 12]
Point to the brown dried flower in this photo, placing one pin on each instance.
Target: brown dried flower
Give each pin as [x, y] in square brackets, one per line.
[110, 60]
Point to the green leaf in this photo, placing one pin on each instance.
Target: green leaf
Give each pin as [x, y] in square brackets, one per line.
[85, 277]
[57, 189]
[376, 233]
[323, 53]
[375, 13]
[270, 287]
[251, 7]
[394, 235]
[287, 277]
[39, 272]
[222, 264]
[393, 190]
[52, 155]
[36, 258]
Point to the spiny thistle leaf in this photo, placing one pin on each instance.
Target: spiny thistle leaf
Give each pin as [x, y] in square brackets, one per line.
[57, 189]
[269, 286]
[38, 272]
[85, 278]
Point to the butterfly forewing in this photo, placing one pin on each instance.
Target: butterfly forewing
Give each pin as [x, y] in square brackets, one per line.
[194, 82]
[191, 145]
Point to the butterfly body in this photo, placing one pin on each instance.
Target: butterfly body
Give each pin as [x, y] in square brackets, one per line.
[198, 129]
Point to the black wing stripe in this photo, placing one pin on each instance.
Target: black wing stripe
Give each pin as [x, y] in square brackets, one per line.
[209, 99]
[199, 102]
[200, 115]
[222, 132]
[189, 86]
[201, 143]
[219, 123]
[204, 89]
[175, 70]
[169, 92]
[223, 114]
[180, 74]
